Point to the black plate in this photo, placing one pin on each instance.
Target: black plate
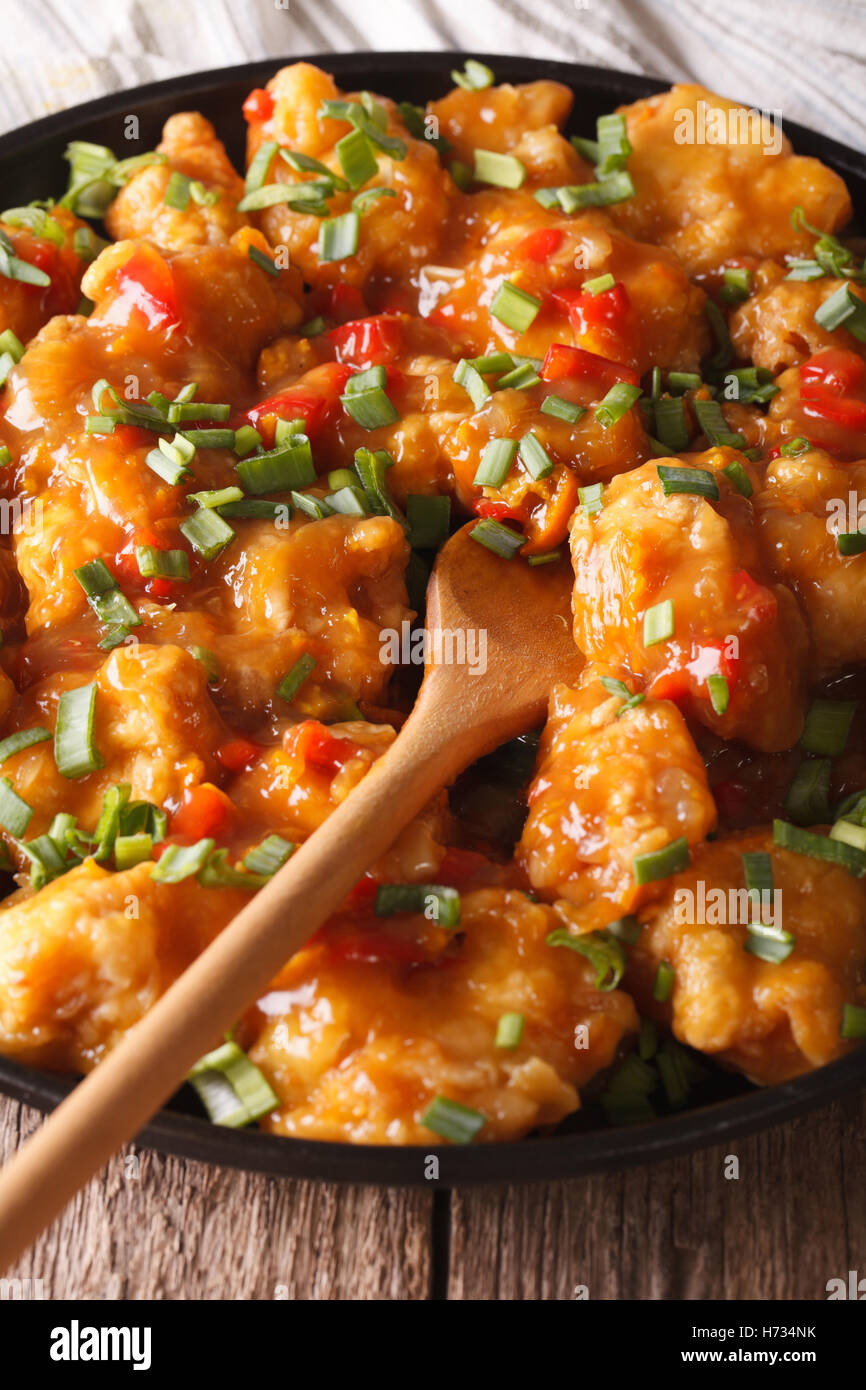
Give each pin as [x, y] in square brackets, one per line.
[31, 166]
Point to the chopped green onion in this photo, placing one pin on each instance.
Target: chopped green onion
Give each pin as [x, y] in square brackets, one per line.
[232, 1090]
[843, 309]
[739, 478]
[509, 1031]
[714, 426]
[260, 163]
[162, 564]
[370, 407]
[828, 723]
[474, 77]
[181, 861]
[626, 929]
[216, 497]
[348, 501]
[295, 677]
[75, 752]
[793, 448]
[807, 800]
[548, 558]
[452, 1121]
[658, 623]
[440, 905]
[171, 472]
[719, 693]
[262, 261]
[207, 532]
[769, 943]
[853, 1021]
[130, 850]
[849, 834]
[23, 738]
[495, 463]
[502, 540]
[535, 457]
[520, 379]
[738, 284]
[269, 856]
[571, 197]
[110, 605]
[15, 812]
[679, 382]
[500, 170]
[286, 467]
[514, 307]
[806, 842]
[473, 383]
[370, 195]
[599, 284]
[724, 350]
[698, 482]
[603, 951]
[208, 661]
[177, 192]
[429, 519]
[661, 863]
[619, 399]
[246, 439]
[305, 164]
[591, 498]
[851, 542]
[562, 409]
[372, 467]
[664, 982]
[357, 160]
[670, 423]
[338, 237]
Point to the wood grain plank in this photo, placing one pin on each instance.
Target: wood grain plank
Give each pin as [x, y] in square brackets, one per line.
[794, 1218]
[164, 1228]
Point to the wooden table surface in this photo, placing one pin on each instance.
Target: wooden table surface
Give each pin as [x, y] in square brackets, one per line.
[154, 1227]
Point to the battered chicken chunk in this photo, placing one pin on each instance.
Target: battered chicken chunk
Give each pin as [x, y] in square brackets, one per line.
[806, 503]
[397, 233]
[713, 182]
[612, 783]
[693, 564]
[771, 1021]
[776, 328]
[57, 244]
[210, 217]
[357, 1045]
[82, 960]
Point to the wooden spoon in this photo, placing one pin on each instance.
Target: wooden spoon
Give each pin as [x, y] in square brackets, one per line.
[525, 615]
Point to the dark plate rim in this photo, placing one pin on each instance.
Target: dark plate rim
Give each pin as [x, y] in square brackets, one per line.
[534, 1159]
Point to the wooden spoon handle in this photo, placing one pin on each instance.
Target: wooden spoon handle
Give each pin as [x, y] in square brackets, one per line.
[142, 1072]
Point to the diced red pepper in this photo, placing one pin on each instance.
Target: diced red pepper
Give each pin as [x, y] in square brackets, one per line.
[833, 388]
[499, 511]
[259, 105]
[564, 362]
[345, 303]
[363, 895]
[146, 284]
[686, 673]
[368, 342]
[238, 754]
[205, 812]
[541, 244]
[460, 867]
[317, 747]
[315, 405]
[759, 601]
[372, 945]
[129, 576]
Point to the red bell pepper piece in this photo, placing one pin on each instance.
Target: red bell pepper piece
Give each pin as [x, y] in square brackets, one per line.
[259, 105]
[563, 362]
[205, 812]
[146, 284]
[238, 754]
[833, 388]
[317, 747]
[368, 342]
[541, 244]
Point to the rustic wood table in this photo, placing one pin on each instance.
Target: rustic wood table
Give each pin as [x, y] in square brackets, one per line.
[167, 1229]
